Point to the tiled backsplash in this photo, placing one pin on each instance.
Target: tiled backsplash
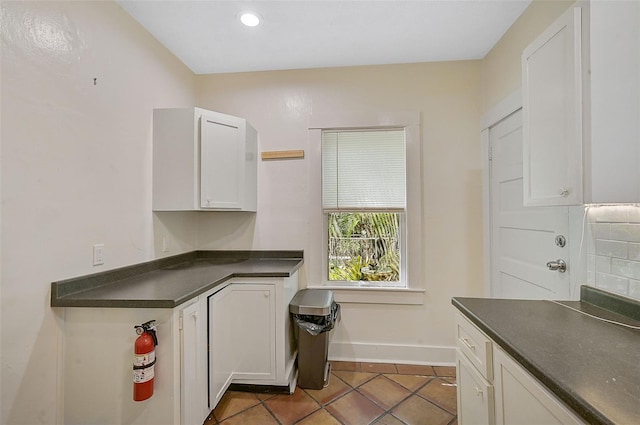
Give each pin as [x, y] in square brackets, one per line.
[612, 242]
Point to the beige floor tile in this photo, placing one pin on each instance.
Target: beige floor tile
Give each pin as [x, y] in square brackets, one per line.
[265, 396]
[290, 408]
[335, 389]
[350, 366]
[412, 369]
[234, 402]
[321, 417]
[257, 415]
[379, 367]
[442, 393]
[417, 411]
[410, 382]
[354, 379]
[445, 371]
[384, 392]
[354, 409]
[389, 419]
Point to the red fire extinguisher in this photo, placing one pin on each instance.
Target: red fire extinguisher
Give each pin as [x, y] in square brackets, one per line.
[144, 360]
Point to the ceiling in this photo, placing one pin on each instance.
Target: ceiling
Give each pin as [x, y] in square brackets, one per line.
[207, 36]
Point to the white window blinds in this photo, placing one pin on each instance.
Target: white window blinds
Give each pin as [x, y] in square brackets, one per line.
[363, 170]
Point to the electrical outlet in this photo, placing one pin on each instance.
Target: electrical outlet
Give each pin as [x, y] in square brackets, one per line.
[98, 254]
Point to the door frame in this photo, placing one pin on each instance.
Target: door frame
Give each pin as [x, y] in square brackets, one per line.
[500, 111]
[577, 214]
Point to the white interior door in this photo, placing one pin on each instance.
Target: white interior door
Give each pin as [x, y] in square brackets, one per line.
[523, 239]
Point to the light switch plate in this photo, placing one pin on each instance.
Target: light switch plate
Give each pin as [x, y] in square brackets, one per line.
[98, 254]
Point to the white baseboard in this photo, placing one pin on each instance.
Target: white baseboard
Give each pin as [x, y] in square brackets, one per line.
[392, 353]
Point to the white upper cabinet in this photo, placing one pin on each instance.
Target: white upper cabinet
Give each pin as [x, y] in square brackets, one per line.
[615, 103]
[203, 160]
[552, 114]
[581, 107]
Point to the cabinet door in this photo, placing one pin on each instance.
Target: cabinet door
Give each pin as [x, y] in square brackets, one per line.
[254, 328]
[221, 353]
[615, 102]
[552, 114]
[193, 360]
[475, 394]
[221, 163]
[521, 399]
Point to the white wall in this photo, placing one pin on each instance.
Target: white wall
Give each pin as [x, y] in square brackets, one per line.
[501, 67]
[280, 104]
[76, 171]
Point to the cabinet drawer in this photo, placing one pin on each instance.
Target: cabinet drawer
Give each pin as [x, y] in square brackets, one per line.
[475, 345]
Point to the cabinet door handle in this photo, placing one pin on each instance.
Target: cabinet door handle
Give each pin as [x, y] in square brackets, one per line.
[479, 392]
[467, 344]
[564, 192]
[194, 315]
[266, 294]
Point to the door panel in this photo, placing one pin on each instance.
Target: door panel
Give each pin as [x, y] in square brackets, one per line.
[193, 340]
[221, 358]
[552, 95]
[522, 238]
[254, 347]
[475, 394]
[222, 155]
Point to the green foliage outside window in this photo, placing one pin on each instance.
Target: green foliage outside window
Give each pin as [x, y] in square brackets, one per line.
[364, 247]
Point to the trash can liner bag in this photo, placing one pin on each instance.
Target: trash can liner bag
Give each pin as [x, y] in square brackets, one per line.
[316, 325]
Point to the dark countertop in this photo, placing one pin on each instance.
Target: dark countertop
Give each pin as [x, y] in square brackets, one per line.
[171, 281]
[591, 365]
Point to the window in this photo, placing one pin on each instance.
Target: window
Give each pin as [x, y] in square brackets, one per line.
[406, 208]
[364, 247]
[364, 201]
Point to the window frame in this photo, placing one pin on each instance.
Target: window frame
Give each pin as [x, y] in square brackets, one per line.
[411, 255]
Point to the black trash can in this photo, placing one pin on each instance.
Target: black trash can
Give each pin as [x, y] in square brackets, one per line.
[315, 314]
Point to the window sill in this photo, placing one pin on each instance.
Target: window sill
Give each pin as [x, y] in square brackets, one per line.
[374, 295]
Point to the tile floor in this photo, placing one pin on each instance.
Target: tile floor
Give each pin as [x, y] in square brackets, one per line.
[358, 394]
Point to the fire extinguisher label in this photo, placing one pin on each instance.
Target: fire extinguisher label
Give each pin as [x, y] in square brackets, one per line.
[143, 375]
[144, 359]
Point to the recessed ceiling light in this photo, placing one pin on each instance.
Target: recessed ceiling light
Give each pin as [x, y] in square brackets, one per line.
[250, 19]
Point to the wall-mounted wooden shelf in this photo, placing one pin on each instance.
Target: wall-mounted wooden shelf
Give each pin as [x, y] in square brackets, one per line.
[294, 154]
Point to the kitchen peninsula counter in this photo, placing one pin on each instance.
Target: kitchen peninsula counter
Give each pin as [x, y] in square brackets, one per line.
[171, 281]
[591, 365]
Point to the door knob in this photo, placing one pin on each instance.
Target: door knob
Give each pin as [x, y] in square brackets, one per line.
[559, 265]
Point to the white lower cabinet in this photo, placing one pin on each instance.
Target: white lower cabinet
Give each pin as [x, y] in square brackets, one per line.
[193, 360]
[250, 337]
[499, 390]
[475, 394]
[97, 369]
[220, 344]
[521, 399]
[242, 335]
[239, 332]
[263, 339]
